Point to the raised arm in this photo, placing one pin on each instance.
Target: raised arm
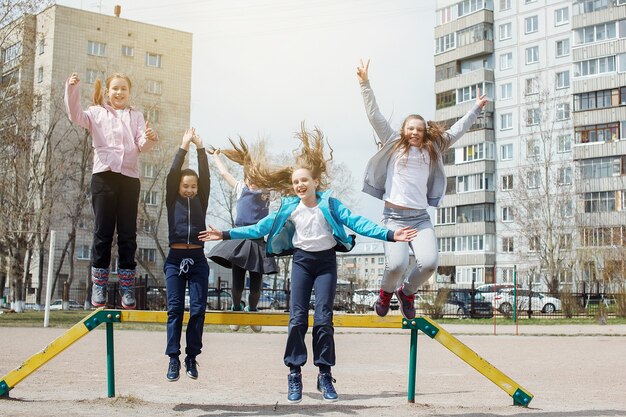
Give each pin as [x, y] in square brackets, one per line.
[204, 176]
[173, 177]
[463, 124]
[145, 137]
[73, 107]
[381, 126]
[223, 170]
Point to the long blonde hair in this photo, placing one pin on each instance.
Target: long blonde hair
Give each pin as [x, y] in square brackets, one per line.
[98, 97]
[435, 140]
[309, 155]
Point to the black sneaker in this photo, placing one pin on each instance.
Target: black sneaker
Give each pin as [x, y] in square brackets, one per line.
[294, 392]
[325, 386]
[191, 366]
[173, 370]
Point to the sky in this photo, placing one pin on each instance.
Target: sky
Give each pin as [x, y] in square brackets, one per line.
[261, 67]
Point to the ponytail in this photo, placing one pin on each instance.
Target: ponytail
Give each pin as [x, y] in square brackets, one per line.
[97, 93]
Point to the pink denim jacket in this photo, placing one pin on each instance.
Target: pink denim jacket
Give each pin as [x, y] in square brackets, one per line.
[117, 139]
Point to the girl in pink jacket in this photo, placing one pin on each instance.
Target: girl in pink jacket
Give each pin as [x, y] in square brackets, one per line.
[119, 133]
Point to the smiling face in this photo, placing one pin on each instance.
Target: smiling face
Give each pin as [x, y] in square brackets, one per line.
[414, 130]
[188, 186]
[118, 92]
[304, 185]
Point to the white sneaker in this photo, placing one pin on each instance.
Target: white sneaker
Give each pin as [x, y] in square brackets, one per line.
[255, 329]
[234, 327]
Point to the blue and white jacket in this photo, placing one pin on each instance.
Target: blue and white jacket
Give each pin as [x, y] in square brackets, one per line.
[280, 229]
[376, 169]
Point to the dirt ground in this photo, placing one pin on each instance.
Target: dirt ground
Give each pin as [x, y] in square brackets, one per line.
[571, 370]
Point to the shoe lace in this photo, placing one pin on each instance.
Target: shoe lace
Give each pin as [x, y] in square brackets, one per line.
[192, 363]
[174, 366]
[327, 381]
[294, 383]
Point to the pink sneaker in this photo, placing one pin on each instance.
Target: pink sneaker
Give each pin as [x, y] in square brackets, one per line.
[382, 303]
[407, 303]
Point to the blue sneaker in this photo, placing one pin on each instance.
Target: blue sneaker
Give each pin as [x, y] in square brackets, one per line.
[191, 367]
[173, 369]
[407, 304]
[294, 392]
[325, 386]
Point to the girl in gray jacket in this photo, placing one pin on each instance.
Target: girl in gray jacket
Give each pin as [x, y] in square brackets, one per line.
[407, 174]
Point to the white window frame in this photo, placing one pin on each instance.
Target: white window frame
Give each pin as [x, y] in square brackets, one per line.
[128, 51]
[532, 55]
[533, 117]
[564, 143]
[564, 176]
[562, 48]
[531, 86]
[154, 87]
[506, 152]
[508, 244]
[533, 179]
[96, 48]
[506, 61]
[506, 182]
[506, 121]
[507, 214]
[561, 16]
[563, 112]
[505, 31]
[562, 79]
[506, 91]
[531, 24]
[505, 5]
[154, 60]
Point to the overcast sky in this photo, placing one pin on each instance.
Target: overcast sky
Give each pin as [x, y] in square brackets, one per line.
[260, 67]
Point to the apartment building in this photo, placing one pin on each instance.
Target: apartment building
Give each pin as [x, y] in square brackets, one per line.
[61, 40]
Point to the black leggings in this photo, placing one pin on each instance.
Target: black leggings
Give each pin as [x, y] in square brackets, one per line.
[239, 283]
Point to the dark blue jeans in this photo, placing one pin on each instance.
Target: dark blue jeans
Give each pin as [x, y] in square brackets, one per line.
[312, 270]
[178, 272]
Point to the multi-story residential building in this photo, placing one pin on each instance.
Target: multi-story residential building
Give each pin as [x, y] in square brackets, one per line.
[540, 181]
[63, 40]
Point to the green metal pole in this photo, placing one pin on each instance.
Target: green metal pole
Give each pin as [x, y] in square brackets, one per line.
[412, 366]
[110, 360]
[514, 293]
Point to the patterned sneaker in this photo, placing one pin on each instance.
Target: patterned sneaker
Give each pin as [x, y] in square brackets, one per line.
[407, 303]
[173, 369]
[98, 295]
[255, 329]
[128, 298]
[325, 386]
[234, 327]
[191, 366]
[294, 392]
[382, 303]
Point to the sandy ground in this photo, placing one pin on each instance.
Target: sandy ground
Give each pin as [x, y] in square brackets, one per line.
[571, 370]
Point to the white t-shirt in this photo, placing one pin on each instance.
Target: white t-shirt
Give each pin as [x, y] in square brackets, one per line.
[313, 233]
[407, 179]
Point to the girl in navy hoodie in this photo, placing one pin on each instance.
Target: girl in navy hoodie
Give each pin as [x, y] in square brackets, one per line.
[187, 198]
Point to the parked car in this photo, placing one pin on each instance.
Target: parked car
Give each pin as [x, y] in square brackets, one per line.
[58, 305]
[219, 300]
[364, 299]
[538, 301]
[276, 300]
[460, 302]
[493, 287]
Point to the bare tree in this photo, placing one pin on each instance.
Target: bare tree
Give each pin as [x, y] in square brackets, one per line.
[543, 196]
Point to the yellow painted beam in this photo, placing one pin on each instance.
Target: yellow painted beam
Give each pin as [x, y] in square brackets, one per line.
[57, 346]
[263, 319]
[475, 361]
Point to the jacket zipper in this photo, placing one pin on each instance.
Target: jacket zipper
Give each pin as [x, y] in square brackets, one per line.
[188, 220]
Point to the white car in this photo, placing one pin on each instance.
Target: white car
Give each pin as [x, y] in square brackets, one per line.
[503, 301]
[364, 299]
[58, 305]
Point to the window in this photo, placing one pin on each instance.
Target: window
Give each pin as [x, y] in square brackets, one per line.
[152, 115]
[470, 6]
[507, 182]
[446, 215]
[507, 244]
[505, 4]
[596, 99]
[564, 143]
[150, 197]
[473, 243]
[596, 33]
[41, 46]
[532, 86]
[531, 24]
[533, 148]
[153, 60]
[92, 75]
[533, 117]
[565, 241]
[561, 16]
[533, 179]
[534, 243]
[562, 48]
[149, 170]
[532, 55]
[594, 66]
[446, 244]
[83, 252]
[562, 111]
[445, 43]
[506, 61]
[10, 55]
[564, 176]
[154, 87]
[444, 15]
[148, 225]
[474, 182]
[95, 48]
[507, 214]
[475, 213]
[506, 152]
[605, 167]
[40, 74]
[147, 255]
[596, 133]
[562, 79]
[506, 91]
[480, 151]
[506, 121]
[505, 31]
[128, 50]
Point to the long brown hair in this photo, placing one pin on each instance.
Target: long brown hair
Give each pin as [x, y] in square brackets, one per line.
[435, 141]
[98, 98]
[309, 155]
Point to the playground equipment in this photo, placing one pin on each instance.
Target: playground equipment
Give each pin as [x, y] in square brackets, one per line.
[520, 396]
